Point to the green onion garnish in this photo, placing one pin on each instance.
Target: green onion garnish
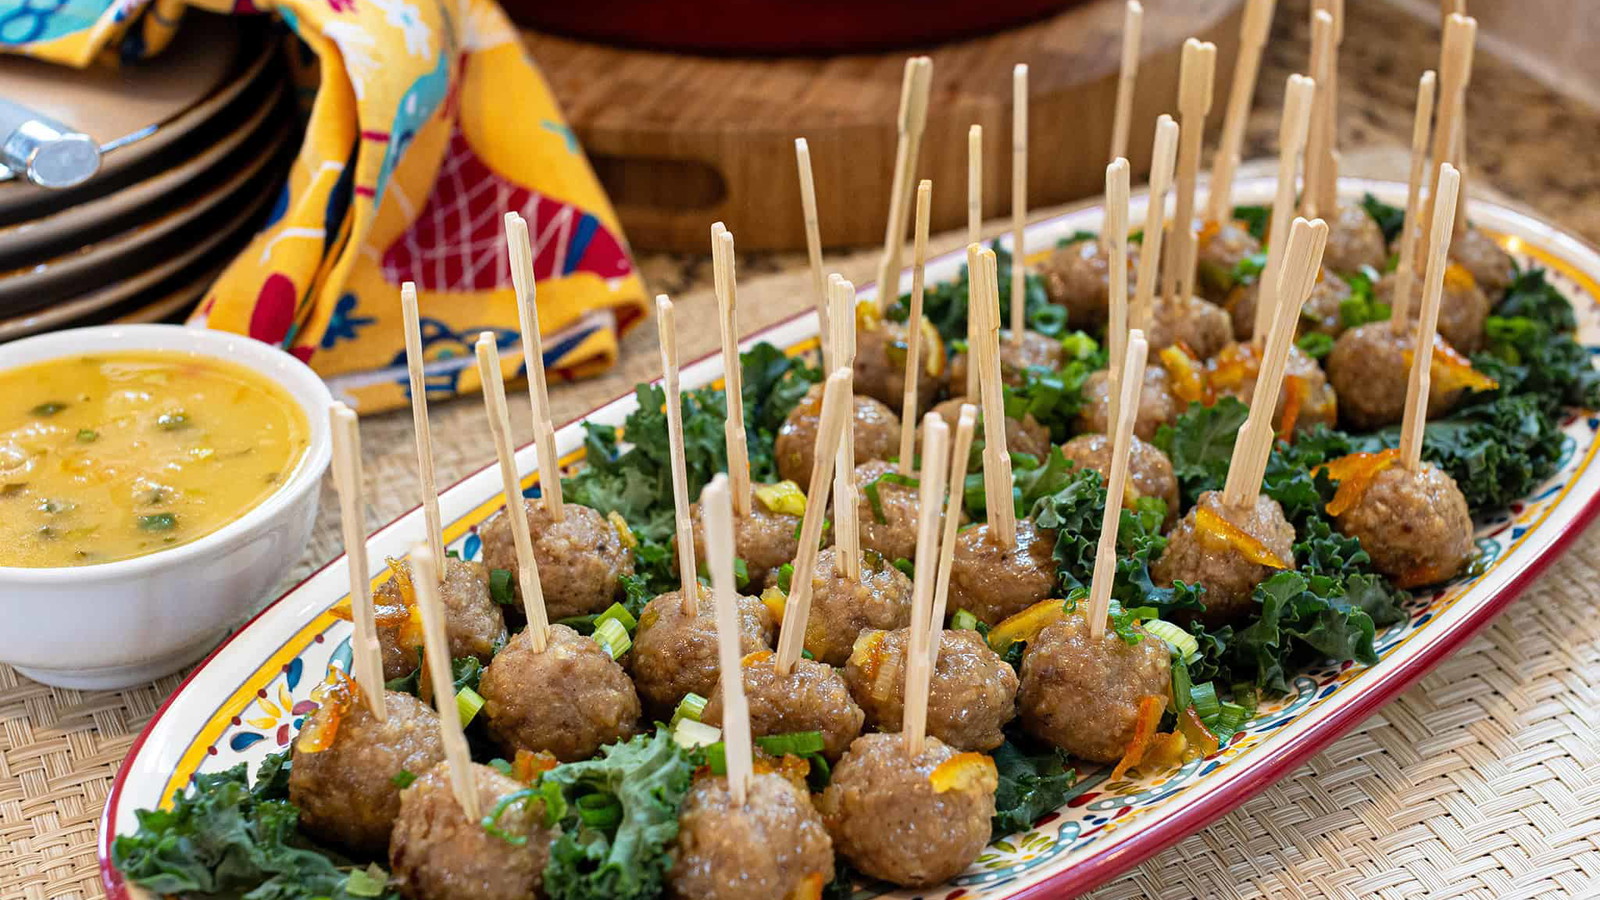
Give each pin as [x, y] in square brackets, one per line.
[871, 490]
[690, 734]
[370, 882]
[1182, 685]
[599, 811]
[799, 743]
[785, 576]
[1204, 698]
[403, 779]
[619, 613]
[964, 621]
[1184, 645]
[611, 636]
[468, 702]
[692, 707]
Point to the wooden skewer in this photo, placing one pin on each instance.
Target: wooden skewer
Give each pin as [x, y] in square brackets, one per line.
[544, 431]
[667, 332]
[1019, 201]
[1162, 158]
[1316, 155]
[436, 647]
[1455, 66]
[836, 403]
[935, 468]
[419, 420]
[733, 433]
[808, 204]
[1458, 155]
[913, 117]
[1292, 135]
[974, 184]
[1002, 515]
[960, 451]
[1246, 68]
[1406, 272]
[1105, 559]
[494, 401]
[1116, 234]
[1302, 259]
[846, 525]
[366, 654]
[1416, 415]
[718, 515]
[919, 262]
[1194, 102]
[1328, 185]
[1132, 28]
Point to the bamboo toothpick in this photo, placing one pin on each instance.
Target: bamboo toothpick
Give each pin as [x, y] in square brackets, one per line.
[960, 451]
[909, 402]
[1002, 515]
[1292, 134]
[1116, 232]
[366, 653]
[1019, 201]
[1328, 184]
[836, 403]
[1252, 40]
[1194, 102]
[974, 184]
[494, 401]
[436, 653]
[808, 206]
[1162, 159]
[1416, 415]
[544, 431]
[935, 468]
[718, 513]
[667, 332]
[1127, 75]
[1405, 272]
[913, 117]
[1316, 158]
[423, 435]
[733, 432]
[1455, 67]
[1105, 559]
[846, 525]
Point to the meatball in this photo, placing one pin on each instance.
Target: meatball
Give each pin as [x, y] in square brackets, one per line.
[1149, 471]
[675, 653]
[1414, 525]
[1202, 327]
[993, 583]
[764, 539]
[473, 623]
[1463, 307]
[346, 792]
[1082, 693]
[440, 854]
[891, 822]
[812, 697]
[877, 435]
[769, 847]
[1354, 240]
[1196, 557]
[1322, 312]
[569, 699]
[1034, 352]
[972, 692]
[889, 525]
[582, 560]
[841, 609]
[1305, 394]
[1490, 266]
[1157, 404]
[1220, 247]
[1077, 276]
[1026, 435]
[880, 368]
[1370, 373]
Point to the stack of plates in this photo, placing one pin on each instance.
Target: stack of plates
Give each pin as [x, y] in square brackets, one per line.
[199, 139]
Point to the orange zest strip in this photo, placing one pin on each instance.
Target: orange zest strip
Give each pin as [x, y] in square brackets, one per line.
[1295, 393]
[1199, 738]
[1209, 524]
[965, 771]
[529, 765]
[1355, 474]
[1233, 364]
[336, 695]
[1189, 382]
[1144, 731]
[809, 888]
[1450, 370]
[1025, 625]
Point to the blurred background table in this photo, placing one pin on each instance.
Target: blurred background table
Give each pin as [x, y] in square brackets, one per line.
[1482, 781]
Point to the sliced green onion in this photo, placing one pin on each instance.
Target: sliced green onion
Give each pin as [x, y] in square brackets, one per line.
[501, 766]
[871, 490]
[599, 811]
[717, 758]
[1228, 721]
[500, 587]
[403, 779]
[1182, 685]
[468, 702]
[690, 734]
[613, 637]
[785, 576]
[1184, 645]
[620, 614]
[691, 707]
[1204, 698]
[372, 881]
[906, 567]
[964, 621]
[799, 743]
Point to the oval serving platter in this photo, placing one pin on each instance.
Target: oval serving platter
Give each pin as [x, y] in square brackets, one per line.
[249, 697]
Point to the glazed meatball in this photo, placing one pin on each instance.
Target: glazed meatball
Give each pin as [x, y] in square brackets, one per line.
[888, 526]
[1414, 525]
[812, 697]
[1305, 393]
[440, 854]
[841, 609]
[473, 622]
[1202, 327]
[890, 821]
[1149, 471]
[972, 692]
[1194, 556]
[1157, 404]
[1490, 266]
[769, 847]
[1026, 435]
[1369, 372]
[1322, 312]
[582, 559]
[880, 368]
[675, 653]
[1034, 352]
[569, 699]
[1077, 277]
[764, 539]
[1082, 693]
[346, 792]
[1463, 307]
[1354, 240]
[877, 435]
[993, 583]
[1220, 247]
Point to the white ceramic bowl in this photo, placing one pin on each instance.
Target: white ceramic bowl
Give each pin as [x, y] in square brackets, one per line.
[121, 623]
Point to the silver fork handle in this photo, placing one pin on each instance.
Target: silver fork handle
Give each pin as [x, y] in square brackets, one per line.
[49, 153]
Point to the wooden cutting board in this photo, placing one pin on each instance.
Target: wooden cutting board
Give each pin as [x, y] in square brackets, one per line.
[682, 141]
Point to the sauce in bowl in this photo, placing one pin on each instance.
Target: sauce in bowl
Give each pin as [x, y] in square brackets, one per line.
[118, 455]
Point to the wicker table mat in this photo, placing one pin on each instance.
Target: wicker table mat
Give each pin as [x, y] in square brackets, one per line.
[1482, 781]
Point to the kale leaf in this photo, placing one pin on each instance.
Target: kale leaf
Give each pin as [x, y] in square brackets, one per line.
[1034, 779]
[1390, 219]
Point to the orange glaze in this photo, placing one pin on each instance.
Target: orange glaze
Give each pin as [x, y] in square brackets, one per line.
[1216, 532]
[1355, 474]
[336, 695]
[1449, 370]
[1151, 707]
[964, 771]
